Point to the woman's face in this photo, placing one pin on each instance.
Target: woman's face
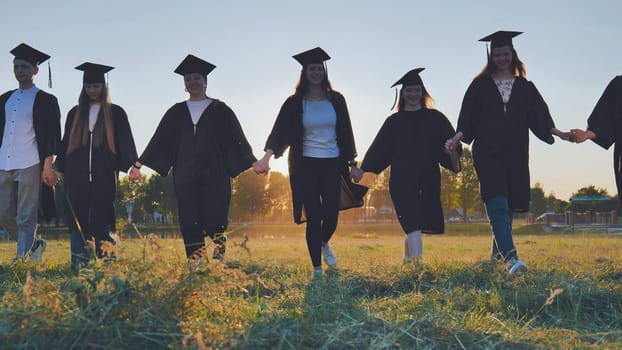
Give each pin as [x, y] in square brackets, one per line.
[412, 95]
[94, 90]
[315, 73]
[195, 84]
[502, 57]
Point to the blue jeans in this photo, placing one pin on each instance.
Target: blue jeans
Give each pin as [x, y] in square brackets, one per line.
[81, 254]
[500, 217]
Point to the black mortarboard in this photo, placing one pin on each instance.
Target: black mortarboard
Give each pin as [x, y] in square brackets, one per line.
[410, 78]
[312, 56]
[29, 54]
[192, 64]
[500, 38]
[93, 72]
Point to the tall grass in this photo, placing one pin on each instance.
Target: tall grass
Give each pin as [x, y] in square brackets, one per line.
[263, 296]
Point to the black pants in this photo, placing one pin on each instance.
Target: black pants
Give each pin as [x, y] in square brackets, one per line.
[203, 206]
[320, 177]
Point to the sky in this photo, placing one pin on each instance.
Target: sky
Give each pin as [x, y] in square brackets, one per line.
[570, 48]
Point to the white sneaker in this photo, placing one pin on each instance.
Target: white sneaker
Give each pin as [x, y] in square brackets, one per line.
[37, 250]
[329, 256]
[515, 265]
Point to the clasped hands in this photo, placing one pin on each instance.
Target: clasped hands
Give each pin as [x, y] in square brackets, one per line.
[574, 135]
[262, 166]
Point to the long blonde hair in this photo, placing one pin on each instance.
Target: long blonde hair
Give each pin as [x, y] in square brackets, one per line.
[79, 134]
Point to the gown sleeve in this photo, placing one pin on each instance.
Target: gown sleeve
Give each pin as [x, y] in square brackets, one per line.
[61, 156]
[126, 149]
[468, 113]
[239, 154]
[278, 141]
[539, 117]
[450, 162]
[380, 153]
[160, 152]
[601, 121]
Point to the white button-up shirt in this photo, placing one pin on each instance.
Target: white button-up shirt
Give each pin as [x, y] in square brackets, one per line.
[19, 144]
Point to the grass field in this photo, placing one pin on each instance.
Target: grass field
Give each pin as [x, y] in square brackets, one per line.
[263, 296]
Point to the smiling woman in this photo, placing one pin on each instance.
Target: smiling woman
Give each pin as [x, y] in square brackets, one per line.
[314, 124]
[203, 142]
[499, 109]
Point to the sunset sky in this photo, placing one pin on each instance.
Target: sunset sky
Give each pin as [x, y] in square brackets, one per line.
[571, 49]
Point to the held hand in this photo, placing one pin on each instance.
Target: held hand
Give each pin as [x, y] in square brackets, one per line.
[452, 143]
[261, 166]
[135, 174]
[356, 174]
[578, 135]
[566, 136]
[48, 177]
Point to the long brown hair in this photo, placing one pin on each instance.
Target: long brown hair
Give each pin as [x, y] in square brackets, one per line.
[103, 129]
[427, 102]
[303, 83]
[518, 67]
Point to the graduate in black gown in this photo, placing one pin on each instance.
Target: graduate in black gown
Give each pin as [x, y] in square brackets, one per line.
[96, 145]
[498, 110]
[314, 124]
[604, 126]
[411, 141]
[203, 142]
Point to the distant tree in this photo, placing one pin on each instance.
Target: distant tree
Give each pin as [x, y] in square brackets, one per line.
[591, 191]
[449, 190]
[247, 202]
[130, 192]
[468, 185]
[538, 200]
[277, 197]
[595, 192]
[379, 196]
[160, 196]
[554, 204]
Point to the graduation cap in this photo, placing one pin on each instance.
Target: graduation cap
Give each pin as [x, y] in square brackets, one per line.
[316, 55]
[194, 65]
[32, 56]
[410, 78]
[29, 54]
[93, 72]
[500, 38]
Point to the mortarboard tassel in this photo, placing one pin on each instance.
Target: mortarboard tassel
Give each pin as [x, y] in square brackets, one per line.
[49, 75]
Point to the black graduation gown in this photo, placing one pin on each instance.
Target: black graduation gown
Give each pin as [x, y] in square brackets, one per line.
[96, 192]
[206, 158]
[46, 124]
[606, 122]
[501, 137]
[288, 132]
[412, 143]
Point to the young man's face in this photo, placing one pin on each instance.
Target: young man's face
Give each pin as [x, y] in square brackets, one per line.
[24, 71]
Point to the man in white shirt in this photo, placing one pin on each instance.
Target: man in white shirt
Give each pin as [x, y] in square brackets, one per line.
[30, 135]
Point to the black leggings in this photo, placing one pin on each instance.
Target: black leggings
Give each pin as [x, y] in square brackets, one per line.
[320, 178]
